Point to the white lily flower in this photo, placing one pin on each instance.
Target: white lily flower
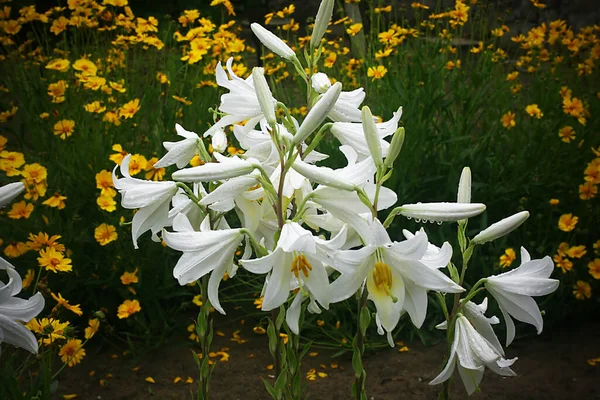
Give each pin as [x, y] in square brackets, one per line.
[472, 352]
[203, 252]
[152, 198]
[182, 204]
[10, 191]
[317, 113]
[272, 42]
[346, 108]
[295, 259]
[441, 212]
[513, 291]
[348, 178]
[14, 311]
[240, 104]
[397, 279]
[501, 228]
[225, 168]
[352, 134]
[324, 249]
[179, 153]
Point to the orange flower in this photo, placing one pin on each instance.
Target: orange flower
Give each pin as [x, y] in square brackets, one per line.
[128, 308]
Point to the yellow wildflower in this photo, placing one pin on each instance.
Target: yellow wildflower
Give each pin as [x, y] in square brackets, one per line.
[128, 308]
[104, 234]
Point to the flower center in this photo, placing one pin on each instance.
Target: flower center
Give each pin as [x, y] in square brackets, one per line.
[382, 277]
[300, 263]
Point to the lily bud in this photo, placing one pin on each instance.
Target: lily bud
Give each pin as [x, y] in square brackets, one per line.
[320, 82]
[272, 42]
[263, 93]
[225, 168]
[318, 113]
[501, 228]
[321, 22]
[442, 212]
[371, 136]
[395, 147]
[323, 175]
[464, 186]
[10, 191]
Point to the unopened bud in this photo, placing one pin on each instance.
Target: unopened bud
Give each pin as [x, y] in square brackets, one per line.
[371, 135]
[442, 212]
[272, 42]
[395, 147]
[320, 82]
[263, 93]
[464, 186]
[501, 228]
[10, 191]
[318, 113]
[321, 22]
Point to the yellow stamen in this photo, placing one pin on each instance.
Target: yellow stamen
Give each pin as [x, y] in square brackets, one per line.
[300, 263]
[382, 277]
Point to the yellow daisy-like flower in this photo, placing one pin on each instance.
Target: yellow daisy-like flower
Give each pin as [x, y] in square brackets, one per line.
[566, 134]
[155, 174]
[52, 328]
[354, 29]
[128, 308]
[56, 201]
[54, 261]
[105, 183]
[129, 109]
[587, 191]
[94, 107]
[582, 290]
[129, 277]
[106, 203]
[104, 234]
[59, 64]
[28, 279]
[72, 352]
[594, 268]
[20, 210]
[62, 302]
[64, 128]
[137, 163]
[534, 111]
[567, 222]
[15, 249]
[86, 67]
[118, 156]
[508, 120]
[377, 72]
[93, 327]
[554, 202]
[507, 258]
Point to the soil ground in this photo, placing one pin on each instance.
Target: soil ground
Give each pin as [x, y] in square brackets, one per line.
[551, 366]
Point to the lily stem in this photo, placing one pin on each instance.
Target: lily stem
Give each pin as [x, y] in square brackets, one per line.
[359, 376]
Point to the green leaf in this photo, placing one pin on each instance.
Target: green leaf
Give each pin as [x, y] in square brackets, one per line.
[365, 320]
[357, 364]
[280, 317]
[270, 388]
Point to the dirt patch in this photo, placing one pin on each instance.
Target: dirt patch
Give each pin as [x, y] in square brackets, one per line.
[551, 366]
